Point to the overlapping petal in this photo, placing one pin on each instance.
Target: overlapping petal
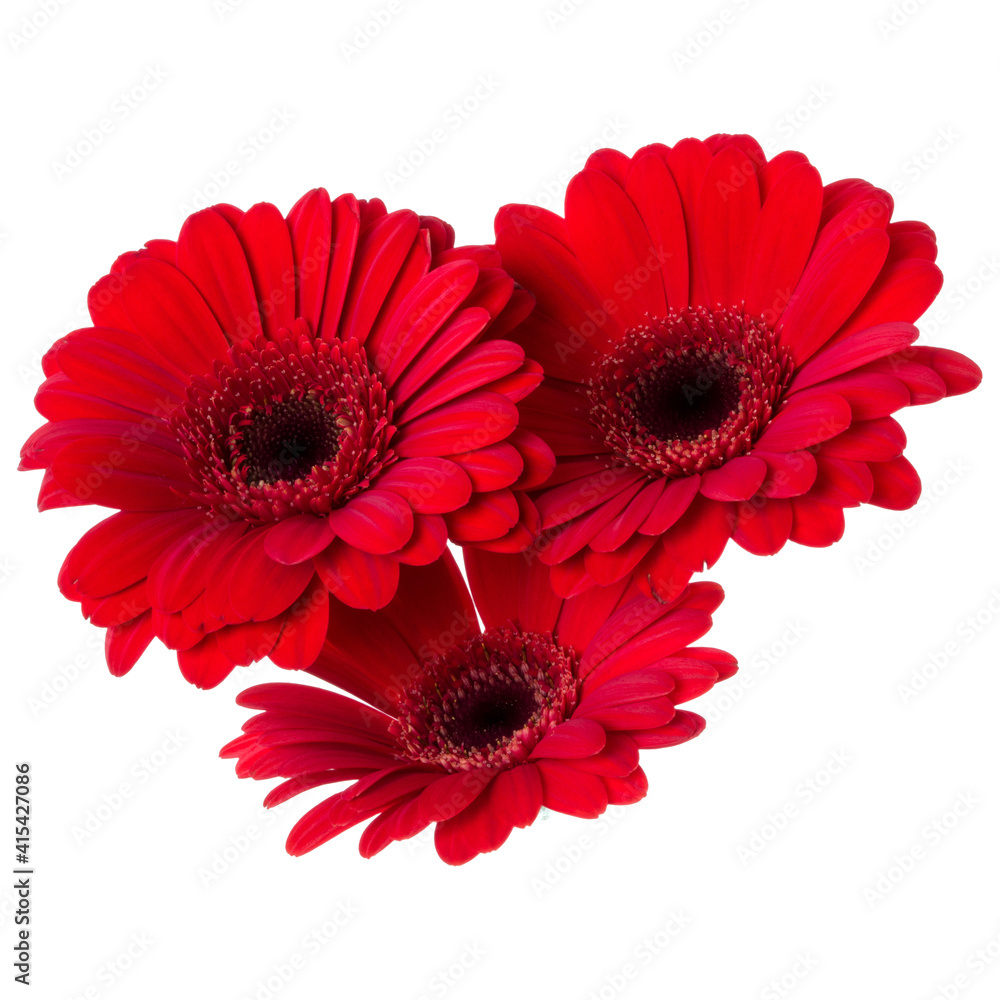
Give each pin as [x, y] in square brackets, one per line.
[632, 664]
[716, 233]
[385, 345]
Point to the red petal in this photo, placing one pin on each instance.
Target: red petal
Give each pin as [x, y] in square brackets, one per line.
[625, 791]
[852, 352]
[868, 441]
[834, 282]
[738, 479]
[477, 366]
[801, 424]
[567, 789]
[627, 523]
[841, 481]
[118, 367]
[375, 521]
[259, 587]
[764, 530]
[652, 189]
[897, 485]
[310, 223]
[473, 421]
[95, 470]
[124, 644]
[688, 161]
[614, 248]
[789, 474]
[205, 665]
[304, 631]
[868, 394]
[429, 485]
[491, 468]
[448, 796]
[576, 737]
[346, 225]
[699, 537]
[671, 506]
[247, 643]
[297, 539]
[268, 247]
[426, 309]
[461, 330]
[430, 537]
[486, 516]
[684, 726]
[902, 292]
[782, 240]
[816, 524]
[960, 373]
[357, 578]
[480, 828]
[728, 207]
[381, 252]
[210, 254]
[171, 315]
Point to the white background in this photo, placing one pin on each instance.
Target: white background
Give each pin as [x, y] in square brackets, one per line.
[826, 637]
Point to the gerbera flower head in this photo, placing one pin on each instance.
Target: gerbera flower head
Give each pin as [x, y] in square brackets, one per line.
[725, 340]
[474, 730]
[283, 410]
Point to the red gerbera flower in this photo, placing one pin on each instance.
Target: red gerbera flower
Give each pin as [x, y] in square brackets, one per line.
[476, 731]
[724, 340]
[282, 408]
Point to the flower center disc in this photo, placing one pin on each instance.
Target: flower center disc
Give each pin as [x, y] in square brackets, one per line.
[486, 703]
[688, 391]
[283, 428]
[288, 439]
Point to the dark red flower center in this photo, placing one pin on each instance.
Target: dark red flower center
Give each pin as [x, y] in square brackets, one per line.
[286, 440]
[283, 428]
[688, 391]
[488, 702]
